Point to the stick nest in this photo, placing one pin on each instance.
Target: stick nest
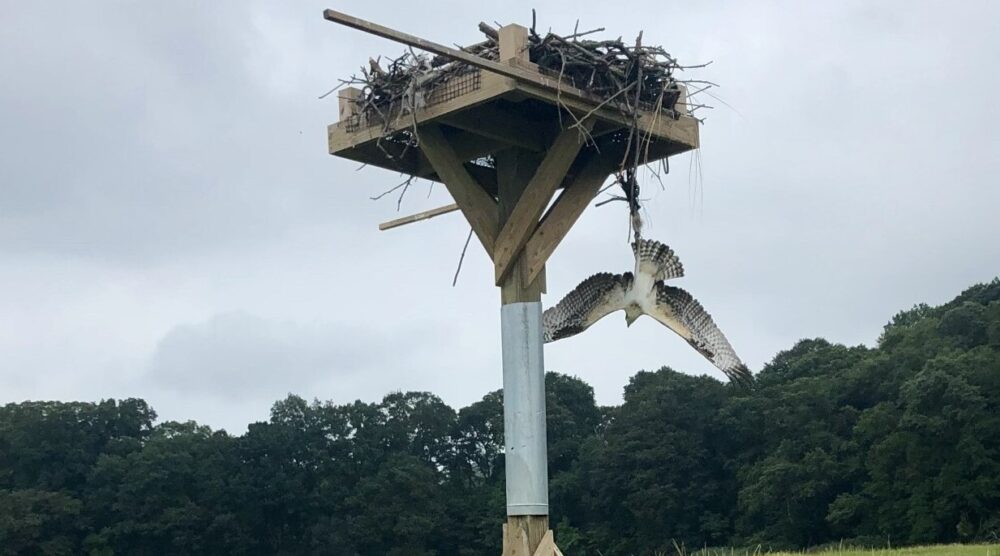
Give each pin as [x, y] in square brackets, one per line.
[624, 76]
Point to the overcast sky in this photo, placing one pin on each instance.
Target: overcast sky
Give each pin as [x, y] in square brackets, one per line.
[172, 227]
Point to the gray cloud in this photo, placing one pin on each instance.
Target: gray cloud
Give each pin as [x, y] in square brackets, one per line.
[234, 355]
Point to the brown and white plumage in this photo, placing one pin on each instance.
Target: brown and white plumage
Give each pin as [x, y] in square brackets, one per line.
[644, 292]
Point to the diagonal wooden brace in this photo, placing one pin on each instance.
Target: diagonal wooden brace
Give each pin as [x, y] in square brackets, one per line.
[524, 219]
[479, 208]
[565, 212]
[515, 543]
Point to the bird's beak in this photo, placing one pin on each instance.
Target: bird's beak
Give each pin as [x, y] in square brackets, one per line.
[629, 320]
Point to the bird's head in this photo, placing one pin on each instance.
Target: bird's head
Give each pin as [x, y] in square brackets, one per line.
[632, 312]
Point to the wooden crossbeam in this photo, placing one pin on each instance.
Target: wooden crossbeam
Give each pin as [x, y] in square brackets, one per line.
[565, 212]
[420, 216]
[524, 219]
[479, 208]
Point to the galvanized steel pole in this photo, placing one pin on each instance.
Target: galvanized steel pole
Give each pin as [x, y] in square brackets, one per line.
[524, 409]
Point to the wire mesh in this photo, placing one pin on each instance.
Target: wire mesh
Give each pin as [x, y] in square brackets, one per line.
[456, 86]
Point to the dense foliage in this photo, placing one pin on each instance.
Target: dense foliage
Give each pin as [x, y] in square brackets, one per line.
[899, 442]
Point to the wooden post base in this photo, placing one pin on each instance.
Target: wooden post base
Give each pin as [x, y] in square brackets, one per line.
[517, 543]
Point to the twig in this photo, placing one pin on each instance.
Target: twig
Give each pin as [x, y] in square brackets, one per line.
[601, 105]
[489, 31]
[461, 258]
[399, 202]
[611, 200]
[583, 33]
[404, 184]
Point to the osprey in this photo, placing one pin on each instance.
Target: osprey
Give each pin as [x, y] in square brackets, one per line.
[644, 293]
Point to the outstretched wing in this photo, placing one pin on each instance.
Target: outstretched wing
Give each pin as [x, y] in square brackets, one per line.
[678, 311]
[592, 299]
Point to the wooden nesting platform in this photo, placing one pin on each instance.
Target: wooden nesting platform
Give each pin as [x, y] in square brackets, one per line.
[481, 113]
[484, 111]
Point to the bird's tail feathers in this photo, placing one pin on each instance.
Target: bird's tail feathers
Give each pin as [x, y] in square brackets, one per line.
[655, 258]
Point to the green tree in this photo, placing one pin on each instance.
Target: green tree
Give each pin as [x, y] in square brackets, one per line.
[39, 522]
[656, 473]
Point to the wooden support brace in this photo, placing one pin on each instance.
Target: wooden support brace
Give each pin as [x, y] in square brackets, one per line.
[524, 219]
[565, 212]
[478, 207]
[548, 546]
[516, 543]
[425, 215]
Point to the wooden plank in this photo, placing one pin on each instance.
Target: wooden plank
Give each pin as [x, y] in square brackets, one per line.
[425, 215]
[507, 70]
[513, 43]
[681, 106]
[565, 212]
[478, 207]
[516, 543]
[524, 219]
[548, 545]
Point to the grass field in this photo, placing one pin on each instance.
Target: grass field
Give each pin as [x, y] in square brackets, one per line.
[939, 550]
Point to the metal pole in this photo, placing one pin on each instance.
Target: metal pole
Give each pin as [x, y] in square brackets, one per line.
[524, 409]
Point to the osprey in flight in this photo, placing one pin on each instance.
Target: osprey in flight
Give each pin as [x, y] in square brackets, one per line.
[644, 293]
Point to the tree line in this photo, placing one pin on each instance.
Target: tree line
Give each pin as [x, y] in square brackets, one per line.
[896, 443]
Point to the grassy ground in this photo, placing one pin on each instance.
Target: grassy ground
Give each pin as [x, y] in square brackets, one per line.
[939, 550]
